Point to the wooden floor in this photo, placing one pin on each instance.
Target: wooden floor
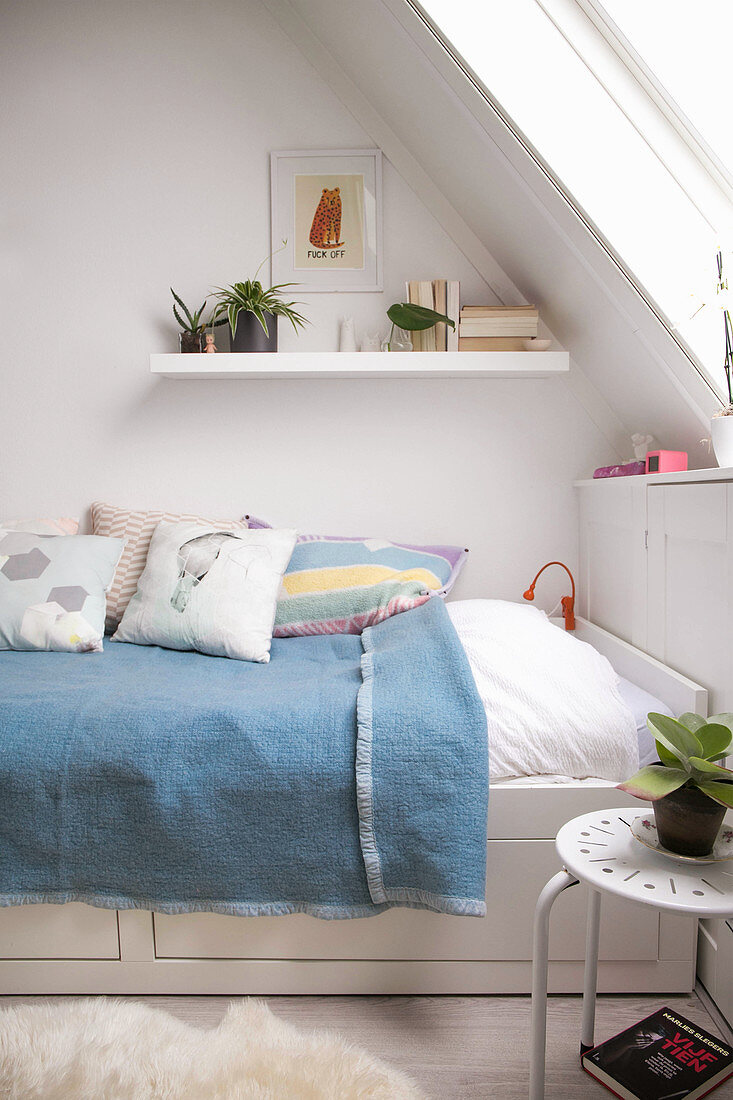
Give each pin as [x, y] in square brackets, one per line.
[455, 1047]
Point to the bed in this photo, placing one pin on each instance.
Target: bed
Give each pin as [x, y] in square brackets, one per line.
[47, 948]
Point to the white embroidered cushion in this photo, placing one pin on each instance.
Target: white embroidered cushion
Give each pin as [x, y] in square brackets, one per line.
[209, 590]
[136, 528]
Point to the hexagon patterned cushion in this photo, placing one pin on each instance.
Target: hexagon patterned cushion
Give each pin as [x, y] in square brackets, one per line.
[53, 588]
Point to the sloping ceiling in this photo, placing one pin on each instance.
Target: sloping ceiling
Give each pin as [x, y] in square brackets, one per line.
[495, 198]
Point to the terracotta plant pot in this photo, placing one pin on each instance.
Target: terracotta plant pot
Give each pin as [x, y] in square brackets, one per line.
[688, 821]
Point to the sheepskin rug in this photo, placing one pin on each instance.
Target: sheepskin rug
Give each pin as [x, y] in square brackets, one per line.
[102, 1049]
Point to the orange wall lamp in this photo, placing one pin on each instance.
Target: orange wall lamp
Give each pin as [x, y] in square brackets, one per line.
[567, 602]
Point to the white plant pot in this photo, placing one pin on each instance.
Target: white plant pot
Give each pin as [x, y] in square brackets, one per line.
[721, 428]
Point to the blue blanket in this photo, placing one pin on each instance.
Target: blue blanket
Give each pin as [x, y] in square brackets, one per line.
[347, 775]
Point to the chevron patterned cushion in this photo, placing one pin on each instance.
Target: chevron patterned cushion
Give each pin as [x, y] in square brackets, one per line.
[136, 528]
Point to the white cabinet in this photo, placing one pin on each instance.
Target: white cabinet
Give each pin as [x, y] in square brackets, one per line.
[715, 963]
[612, 577]
[690, 584]
[656, 568]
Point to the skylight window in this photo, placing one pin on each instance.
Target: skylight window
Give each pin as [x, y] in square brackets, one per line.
[614, 149]
[688, 48]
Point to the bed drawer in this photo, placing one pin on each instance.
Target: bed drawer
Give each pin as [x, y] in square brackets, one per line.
[72, 931]
[517, 871]
[539, 812]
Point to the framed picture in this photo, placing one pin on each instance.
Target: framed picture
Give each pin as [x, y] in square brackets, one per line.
[327, 205]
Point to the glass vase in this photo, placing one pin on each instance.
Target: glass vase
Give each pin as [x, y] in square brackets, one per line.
[397, 340]
[189, 342]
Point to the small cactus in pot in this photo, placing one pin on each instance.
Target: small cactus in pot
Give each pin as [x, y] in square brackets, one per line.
[192, 324]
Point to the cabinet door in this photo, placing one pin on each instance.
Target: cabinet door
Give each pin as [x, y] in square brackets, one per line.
[690, 583]
[612, 580]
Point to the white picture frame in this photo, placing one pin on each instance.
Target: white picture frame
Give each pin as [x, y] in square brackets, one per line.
[327, 205]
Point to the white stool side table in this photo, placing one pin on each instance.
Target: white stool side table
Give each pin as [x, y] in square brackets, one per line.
[599, 851]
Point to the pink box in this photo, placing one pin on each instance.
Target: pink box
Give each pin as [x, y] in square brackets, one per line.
[665, 462]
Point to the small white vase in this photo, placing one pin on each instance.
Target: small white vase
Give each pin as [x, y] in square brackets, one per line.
[347, 338]
[721, 428]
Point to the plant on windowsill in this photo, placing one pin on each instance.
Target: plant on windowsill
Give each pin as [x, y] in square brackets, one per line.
[690, 791]
[406, 317]
[252, 312]
[193, 327]
[722, 422]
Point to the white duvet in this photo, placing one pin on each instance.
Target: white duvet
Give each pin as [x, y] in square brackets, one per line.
[552, 702]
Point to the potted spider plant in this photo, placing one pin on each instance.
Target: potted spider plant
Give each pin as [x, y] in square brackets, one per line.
[252, 311]
[689, 790]
[192, 324]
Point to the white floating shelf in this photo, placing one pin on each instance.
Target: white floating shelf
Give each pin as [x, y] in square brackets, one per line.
[369, 364]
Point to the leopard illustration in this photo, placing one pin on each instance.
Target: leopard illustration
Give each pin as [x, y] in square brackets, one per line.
[326, 227]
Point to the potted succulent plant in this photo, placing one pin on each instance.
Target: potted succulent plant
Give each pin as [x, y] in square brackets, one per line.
[690, 791]
[252, 311]
[407, 317]
[193, 326]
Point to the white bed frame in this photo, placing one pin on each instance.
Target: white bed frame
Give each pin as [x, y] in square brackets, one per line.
[79, 949]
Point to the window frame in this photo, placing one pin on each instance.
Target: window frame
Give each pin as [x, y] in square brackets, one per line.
[704, 395]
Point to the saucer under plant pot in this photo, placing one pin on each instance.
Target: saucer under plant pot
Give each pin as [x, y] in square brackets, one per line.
[689, 790]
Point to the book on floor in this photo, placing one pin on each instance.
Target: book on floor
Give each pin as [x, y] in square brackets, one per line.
[663, 1057]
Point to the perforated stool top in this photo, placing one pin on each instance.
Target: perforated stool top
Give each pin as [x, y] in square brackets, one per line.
[599, 849]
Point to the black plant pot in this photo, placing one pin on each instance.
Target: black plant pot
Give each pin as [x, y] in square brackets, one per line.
[688, 821]
[250, 336]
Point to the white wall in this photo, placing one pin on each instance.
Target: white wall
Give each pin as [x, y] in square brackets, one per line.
[136, 157]
[628, 358]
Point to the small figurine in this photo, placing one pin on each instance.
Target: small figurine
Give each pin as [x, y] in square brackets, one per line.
[642, 444]
[210, 345]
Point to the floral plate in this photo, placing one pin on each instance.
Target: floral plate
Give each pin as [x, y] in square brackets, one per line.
[644, 830]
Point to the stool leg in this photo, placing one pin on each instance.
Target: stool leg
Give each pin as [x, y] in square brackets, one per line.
[538, 1030]
[590, 978]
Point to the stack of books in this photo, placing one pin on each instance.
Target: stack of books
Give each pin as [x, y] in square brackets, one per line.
[496, 328]
[442, 295]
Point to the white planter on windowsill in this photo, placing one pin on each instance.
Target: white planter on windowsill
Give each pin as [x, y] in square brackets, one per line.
[721, 428]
